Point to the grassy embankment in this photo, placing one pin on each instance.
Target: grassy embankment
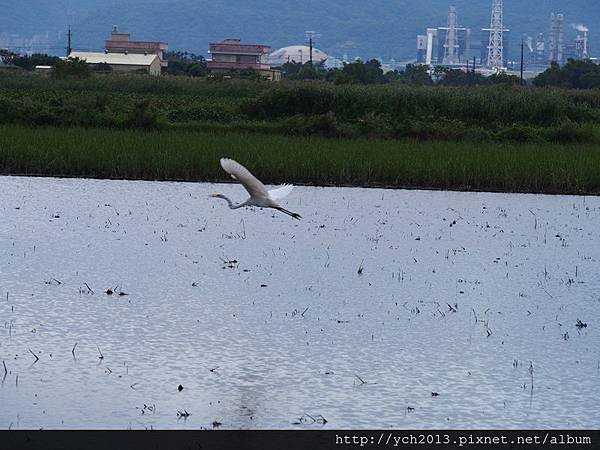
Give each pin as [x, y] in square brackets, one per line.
[192, 155]
[487, 138]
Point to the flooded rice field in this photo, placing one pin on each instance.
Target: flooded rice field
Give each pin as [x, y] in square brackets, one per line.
[140, 304]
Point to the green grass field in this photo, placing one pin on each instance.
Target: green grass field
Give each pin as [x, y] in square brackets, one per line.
[194, 155]
[394, 111]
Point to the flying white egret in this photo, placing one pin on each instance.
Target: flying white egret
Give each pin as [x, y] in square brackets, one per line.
[259, 196]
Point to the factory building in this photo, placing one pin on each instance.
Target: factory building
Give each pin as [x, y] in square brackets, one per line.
[582, 45]
[554, 46]
[556, 39]
[433, 47]
[455, 45]
[540, 49]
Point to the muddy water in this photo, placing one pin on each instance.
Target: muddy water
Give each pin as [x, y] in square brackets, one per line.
[267, 323]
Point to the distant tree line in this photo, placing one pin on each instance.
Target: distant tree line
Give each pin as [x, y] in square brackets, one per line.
[70, 68]
[371, 72]
[575, 74]
[27, 62]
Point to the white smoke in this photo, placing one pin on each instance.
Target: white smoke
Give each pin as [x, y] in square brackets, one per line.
[580, 27]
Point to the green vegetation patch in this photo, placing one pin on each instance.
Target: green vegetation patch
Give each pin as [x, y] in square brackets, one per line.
[193, 155]
[499, 113]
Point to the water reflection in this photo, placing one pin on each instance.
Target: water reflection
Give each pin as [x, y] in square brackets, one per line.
[358, 314]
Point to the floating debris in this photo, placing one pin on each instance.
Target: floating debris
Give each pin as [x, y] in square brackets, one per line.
[359, 379]
[34, 355]
[307, 418]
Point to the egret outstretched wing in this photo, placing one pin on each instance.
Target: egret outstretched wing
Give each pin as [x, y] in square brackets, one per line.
[259, 196]
[238, 172]
[281, 191]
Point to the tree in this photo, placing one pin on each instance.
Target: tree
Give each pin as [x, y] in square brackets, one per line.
[417, 74]
[6, 56]
[307, 71]
[504, 78]
[364, 73]
[186, 63]
[456, 77]
[28, 62]
[71, 68]
[575, 74]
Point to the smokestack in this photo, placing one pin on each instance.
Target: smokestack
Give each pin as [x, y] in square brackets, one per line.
[451, 50]
[552, 39]
[561, 38]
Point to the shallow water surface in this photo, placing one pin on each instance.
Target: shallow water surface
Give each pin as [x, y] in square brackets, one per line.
[381, 308]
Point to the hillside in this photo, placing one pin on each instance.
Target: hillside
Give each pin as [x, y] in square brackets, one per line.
[378, 28]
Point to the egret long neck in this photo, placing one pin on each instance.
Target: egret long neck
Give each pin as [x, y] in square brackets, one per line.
[231, 204]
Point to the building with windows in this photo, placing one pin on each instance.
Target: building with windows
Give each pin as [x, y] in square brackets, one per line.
[119, 42]
[231, 55]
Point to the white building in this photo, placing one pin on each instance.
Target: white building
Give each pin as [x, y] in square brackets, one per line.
[122, 62]
[297, 54]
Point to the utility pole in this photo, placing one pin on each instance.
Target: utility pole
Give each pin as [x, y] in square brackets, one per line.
[522, 51]
[69, 42]
[311, 36]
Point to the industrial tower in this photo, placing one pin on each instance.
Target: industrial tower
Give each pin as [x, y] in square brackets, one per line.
[451, 47]
[556, 42]
[495, 58]
[585, 54]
